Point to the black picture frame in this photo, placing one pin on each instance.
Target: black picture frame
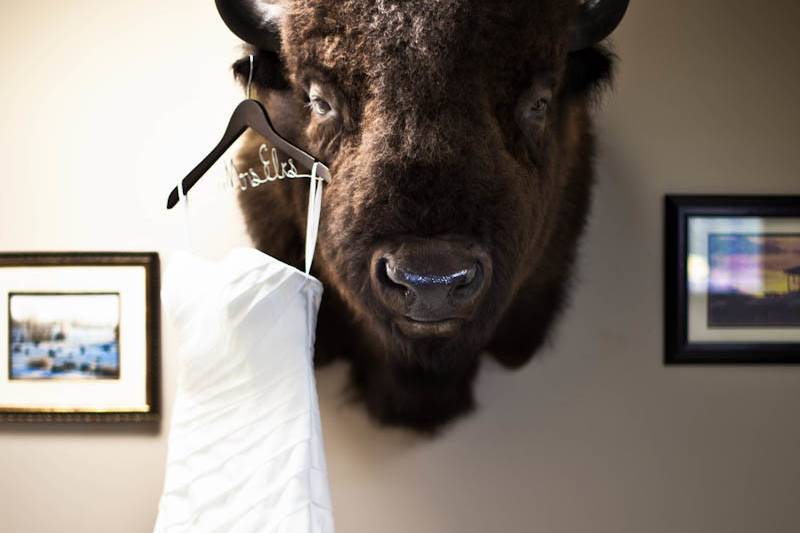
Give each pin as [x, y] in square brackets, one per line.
[150, 411]
[678, 349]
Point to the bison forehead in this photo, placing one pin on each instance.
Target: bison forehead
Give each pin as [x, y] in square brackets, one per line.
[419, 43]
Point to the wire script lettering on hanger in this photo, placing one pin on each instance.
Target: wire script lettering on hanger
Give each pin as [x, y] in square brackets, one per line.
[273, 169]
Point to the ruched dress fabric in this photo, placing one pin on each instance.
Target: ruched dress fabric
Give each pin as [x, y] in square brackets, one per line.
[245, 450]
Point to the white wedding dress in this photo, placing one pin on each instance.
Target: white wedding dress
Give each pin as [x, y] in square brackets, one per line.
[245, 451]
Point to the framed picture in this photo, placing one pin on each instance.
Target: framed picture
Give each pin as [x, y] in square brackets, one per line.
[732, 279]
[79, 337]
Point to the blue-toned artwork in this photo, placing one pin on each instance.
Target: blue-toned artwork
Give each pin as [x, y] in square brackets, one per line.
[64, 336]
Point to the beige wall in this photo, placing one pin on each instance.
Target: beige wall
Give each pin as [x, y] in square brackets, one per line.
[106, 103]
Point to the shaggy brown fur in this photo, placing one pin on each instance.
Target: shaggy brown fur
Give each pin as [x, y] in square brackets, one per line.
[426, 144]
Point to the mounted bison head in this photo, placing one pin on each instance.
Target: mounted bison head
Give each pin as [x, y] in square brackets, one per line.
[459, 138]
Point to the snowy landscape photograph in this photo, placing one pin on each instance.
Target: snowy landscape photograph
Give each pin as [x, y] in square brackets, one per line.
[58, 336]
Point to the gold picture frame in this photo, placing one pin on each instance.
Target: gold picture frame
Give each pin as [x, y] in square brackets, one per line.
[79, 337]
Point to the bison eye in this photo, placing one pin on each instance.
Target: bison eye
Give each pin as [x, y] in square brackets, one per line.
[531, 111]
[317, 103]
[319, 106]
[540, 106]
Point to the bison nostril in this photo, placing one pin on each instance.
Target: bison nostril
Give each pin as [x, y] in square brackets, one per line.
[471, 278]
[387, 274]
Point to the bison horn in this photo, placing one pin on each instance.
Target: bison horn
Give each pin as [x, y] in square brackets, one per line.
[253, 22]
[596, 21]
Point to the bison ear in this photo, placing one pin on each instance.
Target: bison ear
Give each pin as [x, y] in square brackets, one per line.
[268, 71]
[590, 65]
[257, 23]
[588, 71]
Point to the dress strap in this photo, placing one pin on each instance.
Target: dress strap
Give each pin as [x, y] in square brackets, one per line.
[184, 198]
[314, 212]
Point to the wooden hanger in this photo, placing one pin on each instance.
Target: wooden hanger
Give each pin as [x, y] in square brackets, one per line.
[248, 114]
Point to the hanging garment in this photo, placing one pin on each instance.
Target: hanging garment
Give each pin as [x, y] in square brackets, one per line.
[245, 450]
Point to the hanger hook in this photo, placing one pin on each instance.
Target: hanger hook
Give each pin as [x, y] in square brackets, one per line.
[250, 77]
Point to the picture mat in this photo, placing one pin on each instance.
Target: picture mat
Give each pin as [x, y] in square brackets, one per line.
[698, 269]
[129, 392]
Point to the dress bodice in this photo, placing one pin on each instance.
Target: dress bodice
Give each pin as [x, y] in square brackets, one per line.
[245, 450]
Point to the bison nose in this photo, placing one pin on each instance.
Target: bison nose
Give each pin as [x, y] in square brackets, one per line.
[432, 285]
[439, 286]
